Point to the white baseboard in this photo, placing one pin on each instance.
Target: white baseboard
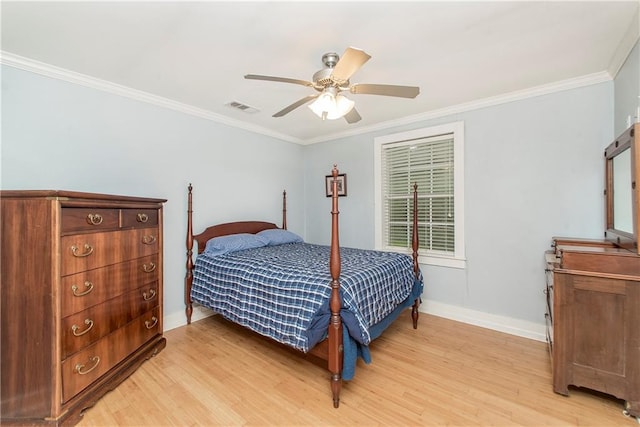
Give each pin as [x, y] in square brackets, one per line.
[509, 325]
[177, 319]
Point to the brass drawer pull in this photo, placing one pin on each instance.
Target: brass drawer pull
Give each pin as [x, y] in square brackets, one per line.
[141, 217]
[148, 268]
[149, 240]
[80, 368]
[149, 296]
[94, 219]
[150, 324]
[75, 328]
[88, 285]
[88, 250]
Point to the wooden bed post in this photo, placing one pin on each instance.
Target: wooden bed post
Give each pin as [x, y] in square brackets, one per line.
[188, 280]
[415, 244]
[284, 209]
[335, 327]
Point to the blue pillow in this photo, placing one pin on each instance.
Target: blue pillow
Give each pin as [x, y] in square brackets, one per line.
[277, 236]
[232, 243]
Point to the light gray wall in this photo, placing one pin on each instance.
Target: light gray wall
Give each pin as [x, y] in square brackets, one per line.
[58, 135]
[627, 92]
[533, 170]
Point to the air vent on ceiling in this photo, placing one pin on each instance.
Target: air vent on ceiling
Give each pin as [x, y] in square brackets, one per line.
[242, 107]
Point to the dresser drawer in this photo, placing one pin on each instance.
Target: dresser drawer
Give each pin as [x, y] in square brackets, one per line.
[83, 328]
[86, 366]
[89, 219]
[139, 218]
[88, 251]
[599, 260]
[83, 290]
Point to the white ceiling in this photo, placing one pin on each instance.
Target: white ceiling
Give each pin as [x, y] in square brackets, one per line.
[192, 56]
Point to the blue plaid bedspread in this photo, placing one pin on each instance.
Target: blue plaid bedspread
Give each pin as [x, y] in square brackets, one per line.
[283, 291]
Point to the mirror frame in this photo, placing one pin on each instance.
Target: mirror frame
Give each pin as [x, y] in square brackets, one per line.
[622, 239]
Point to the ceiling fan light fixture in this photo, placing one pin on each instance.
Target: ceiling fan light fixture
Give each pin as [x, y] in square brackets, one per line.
[331, 80]
[331, 105]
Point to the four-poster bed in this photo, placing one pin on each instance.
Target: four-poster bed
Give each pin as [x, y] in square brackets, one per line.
[267, 279]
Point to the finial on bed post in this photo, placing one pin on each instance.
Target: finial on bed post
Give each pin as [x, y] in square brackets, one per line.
[415, 245]
[335, 326]
[188, 280]
[284, 209]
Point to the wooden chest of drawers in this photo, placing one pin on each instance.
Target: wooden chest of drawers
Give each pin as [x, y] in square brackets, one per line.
[81, 299]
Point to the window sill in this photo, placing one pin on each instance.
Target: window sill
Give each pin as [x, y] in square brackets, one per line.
[449, 262]
[440, 261]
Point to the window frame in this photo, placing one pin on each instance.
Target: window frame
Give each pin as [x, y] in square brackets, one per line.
[457, 260]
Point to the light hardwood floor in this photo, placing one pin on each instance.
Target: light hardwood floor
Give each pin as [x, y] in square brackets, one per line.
[444, 373]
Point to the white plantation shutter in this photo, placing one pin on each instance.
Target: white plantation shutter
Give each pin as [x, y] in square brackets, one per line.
[428, 162]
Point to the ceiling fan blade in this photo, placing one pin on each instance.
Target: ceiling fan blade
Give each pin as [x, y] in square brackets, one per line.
[350, 62]
[278, 79]
[352, 116]
[295, 105]
[386, 90]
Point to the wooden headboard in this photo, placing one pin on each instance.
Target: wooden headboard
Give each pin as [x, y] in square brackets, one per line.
[218, 230]
[225, 229]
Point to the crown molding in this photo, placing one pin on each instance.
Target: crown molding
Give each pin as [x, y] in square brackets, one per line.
[48, 70]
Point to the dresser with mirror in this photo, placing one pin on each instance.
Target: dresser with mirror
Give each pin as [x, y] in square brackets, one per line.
[593, 291]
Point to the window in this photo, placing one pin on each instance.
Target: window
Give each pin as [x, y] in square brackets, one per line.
[433, 159]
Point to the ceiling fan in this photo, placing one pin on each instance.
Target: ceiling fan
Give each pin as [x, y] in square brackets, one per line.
[334, 79]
